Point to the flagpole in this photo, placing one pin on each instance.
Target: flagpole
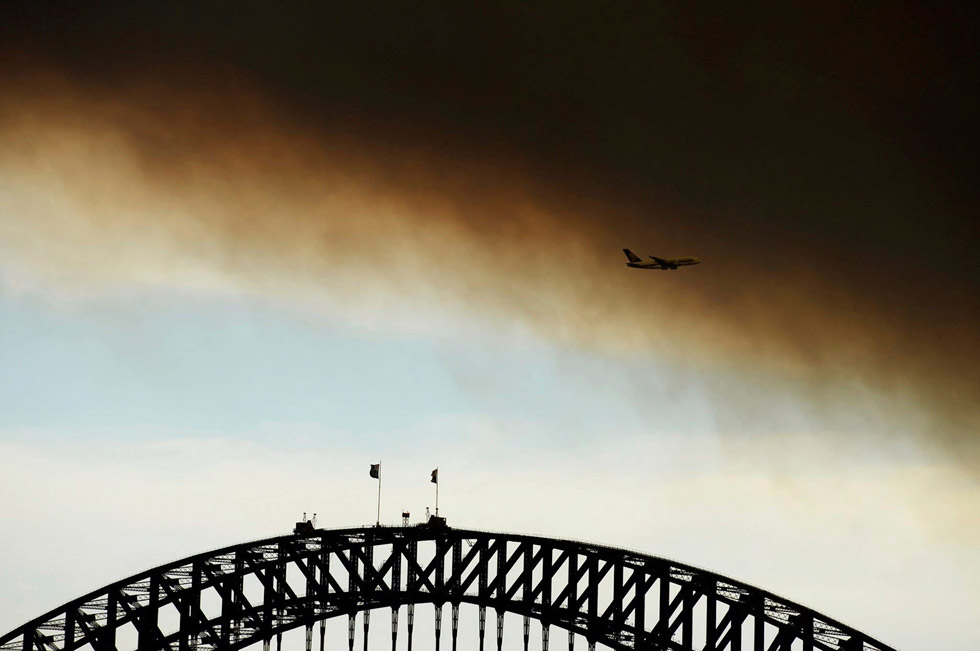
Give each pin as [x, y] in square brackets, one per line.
[377, 522]
[437, 491]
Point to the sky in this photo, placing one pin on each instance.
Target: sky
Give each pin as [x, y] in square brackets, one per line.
[245, 252]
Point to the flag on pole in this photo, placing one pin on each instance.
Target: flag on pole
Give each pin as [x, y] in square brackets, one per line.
[375, 473]
[435, 476]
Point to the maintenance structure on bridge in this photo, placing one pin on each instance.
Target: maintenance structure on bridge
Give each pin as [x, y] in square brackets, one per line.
[241, 595]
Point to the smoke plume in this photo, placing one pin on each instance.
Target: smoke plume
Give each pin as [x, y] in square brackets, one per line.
[474, 171]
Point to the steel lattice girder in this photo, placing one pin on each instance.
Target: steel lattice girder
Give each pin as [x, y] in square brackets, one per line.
[619, 598]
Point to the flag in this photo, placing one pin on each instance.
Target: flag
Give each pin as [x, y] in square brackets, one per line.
[375, 470]
[435, 476]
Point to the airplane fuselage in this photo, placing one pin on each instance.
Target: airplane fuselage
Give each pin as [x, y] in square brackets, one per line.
[666, 265]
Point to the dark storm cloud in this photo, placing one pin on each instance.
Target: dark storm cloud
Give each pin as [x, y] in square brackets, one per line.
[821, 160]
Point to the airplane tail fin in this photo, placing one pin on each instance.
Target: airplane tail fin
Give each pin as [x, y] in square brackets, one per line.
[631, 256]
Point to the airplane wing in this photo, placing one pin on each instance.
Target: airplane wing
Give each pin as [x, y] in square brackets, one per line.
[660, 261]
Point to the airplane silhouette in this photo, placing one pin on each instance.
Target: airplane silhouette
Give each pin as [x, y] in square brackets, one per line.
[658, 263]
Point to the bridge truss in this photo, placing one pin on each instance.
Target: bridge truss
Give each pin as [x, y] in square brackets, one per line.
[254, 592]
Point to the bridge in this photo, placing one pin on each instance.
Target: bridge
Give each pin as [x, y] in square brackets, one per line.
[254, 592]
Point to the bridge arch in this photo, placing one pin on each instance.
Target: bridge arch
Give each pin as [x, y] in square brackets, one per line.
[244, 594]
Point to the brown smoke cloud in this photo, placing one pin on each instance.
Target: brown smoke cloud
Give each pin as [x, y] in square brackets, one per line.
[146, 187]
[198, 175]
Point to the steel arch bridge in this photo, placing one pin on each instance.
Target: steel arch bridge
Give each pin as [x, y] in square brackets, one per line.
[254, 592]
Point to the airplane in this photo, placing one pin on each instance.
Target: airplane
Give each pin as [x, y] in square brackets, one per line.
[658, 263]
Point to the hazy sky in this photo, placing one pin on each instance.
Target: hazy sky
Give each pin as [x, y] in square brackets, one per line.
[246, 252]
